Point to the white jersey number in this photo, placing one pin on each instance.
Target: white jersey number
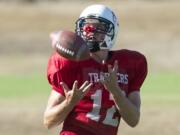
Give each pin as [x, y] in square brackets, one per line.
[94, 114]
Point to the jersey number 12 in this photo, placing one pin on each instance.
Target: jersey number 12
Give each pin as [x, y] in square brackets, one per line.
[95, 113]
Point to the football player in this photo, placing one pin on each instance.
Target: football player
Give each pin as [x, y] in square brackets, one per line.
[90, 97]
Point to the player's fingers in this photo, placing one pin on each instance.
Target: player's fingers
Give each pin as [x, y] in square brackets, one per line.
[110, 69]
[106, 79]
[75, 85]
[115, 66]
[87, 88]
[64, 86]
[84, 85]
[101, 79]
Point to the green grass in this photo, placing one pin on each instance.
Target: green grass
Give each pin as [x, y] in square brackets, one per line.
[23, 86]
[159, 88]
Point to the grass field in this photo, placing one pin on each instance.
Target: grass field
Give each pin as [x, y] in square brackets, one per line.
[23, 100]
[149, 27]
[158, 89]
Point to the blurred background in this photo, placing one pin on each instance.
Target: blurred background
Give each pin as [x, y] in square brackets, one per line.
[148, 26]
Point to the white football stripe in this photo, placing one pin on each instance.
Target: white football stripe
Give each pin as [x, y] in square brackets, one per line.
[64, 49]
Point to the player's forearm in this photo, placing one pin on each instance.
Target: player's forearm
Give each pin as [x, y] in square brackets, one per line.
[129, 112]
[57, 114]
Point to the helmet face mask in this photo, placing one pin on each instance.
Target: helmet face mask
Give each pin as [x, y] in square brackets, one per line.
[95, 26]
[97, 19]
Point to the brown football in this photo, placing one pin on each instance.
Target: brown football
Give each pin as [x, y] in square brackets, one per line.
[69, 45]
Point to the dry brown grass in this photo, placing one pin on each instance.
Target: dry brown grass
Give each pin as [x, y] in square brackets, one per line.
[27, 119]
[149, 27]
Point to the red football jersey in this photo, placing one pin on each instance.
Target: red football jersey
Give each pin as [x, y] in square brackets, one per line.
[96, 113]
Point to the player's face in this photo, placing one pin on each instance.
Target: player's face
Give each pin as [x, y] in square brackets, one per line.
[94, 31]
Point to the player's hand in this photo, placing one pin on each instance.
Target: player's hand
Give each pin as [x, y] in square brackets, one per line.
[110, 81]
[75, 94]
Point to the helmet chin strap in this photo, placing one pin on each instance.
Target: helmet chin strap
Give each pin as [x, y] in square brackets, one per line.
[93, 46]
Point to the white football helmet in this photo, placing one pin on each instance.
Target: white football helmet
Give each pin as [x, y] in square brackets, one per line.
[100, 14]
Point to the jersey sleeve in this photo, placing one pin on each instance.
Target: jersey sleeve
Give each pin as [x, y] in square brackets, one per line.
[60, 70]
[140, 74]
